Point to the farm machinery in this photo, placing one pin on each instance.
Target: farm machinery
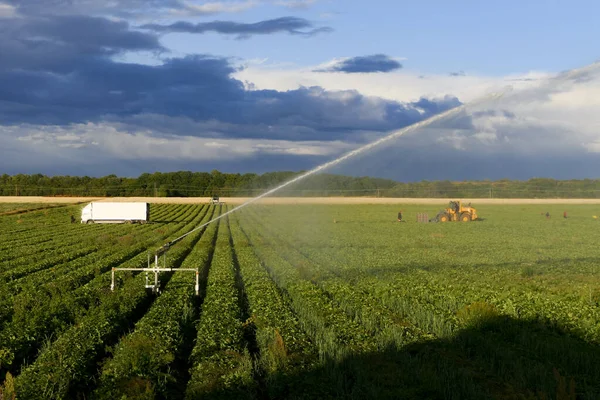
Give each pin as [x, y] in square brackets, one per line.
[216, 200]
[157, 269]
[456, 212]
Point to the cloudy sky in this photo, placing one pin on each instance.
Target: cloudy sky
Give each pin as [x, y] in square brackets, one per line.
[131, 86]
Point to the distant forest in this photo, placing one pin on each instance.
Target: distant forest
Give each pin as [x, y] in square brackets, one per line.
[203, 184]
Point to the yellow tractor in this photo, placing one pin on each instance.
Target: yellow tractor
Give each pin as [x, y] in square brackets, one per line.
[456, 212]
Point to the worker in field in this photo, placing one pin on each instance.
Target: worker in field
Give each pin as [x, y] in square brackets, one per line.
[400, 216]
[72, 219]
[547, 215]
[565, 214]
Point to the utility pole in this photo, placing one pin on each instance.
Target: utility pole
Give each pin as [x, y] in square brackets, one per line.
[154, 189]
[16, 189]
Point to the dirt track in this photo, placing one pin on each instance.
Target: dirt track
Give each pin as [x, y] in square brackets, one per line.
[290, 200]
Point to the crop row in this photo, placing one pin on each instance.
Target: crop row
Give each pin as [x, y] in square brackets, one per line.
[66, 270]
[17, 255]
[342, 341]
[17, 228]
[361, 305]
[149, 355]
[31, 278]
[331, 329]
[165, 211]
[49, 307]
[14, 243]
[387, 326]
[143, 233]
[286, 351]
[62, 255]
[220, 361]
[448, 302]
[66, 366]
[434, 301]
[26, 207]
[442, 296]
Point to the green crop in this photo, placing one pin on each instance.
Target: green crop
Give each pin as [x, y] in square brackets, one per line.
[303, 301]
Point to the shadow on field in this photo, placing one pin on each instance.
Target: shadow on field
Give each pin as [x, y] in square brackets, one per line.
[495, 358]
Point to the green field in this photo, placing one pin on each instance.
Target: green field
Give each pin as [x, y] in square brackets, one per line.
[304, 301]
[17, 208]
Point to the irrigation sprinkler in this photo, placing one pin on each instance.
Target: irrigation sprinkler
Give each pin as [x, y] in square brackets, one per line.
[156, 269]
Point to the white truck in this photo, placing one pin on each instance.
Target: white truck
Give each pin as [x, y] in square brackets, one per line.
[115, 212]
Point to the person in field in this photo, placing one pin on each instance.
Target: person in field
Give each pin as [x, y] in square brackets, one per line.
[547, 215]
[565, 214]
[400, 216]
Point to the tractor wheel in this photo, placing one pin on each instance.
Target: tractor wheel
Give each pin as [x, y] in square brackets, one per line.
[465, 217]
[444, 218]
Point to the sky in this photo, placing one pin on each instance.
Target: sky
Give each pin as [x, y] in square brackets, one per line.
[132, 86]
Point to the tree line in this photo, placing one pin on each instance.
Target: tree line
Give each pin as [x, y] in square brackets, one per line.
[203, 184]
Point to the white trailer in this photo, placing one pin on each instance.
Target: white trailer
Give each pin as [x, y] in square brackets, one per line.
[115, 212]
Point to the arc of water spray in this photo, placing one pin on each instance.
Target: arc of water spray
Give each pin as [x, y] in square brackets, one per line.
[564, 76]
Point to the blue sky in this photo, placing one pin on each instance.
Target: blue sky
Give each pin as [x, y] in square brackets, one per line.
[436, 36]
[135, 86]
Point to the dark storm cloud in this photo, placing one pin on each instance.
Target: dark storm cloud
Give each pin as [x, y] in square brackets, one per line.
[89, 33]
[230, 112]
[59, 70]
[121, 8]
[365, 64]
[291, 25]
[198, 87]
[437, 106]
[62, 43]
[335, 115]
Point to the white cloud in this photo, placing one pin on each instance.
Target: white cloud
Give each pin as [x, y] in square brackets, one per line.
[403, 85]
[548, 120]
[218, 7]
[296, 4]
[7, 11]
[215, 7]
[113, 143]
